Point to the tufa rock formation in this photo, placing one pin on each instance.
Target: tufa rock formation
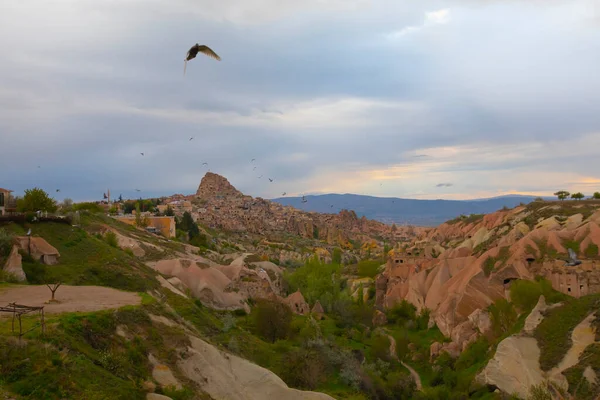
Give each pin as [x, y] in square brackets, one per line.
[214, 185]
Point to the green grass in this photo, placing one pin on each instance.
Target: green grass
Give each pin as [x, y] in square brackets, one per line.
[554, 332]
[81, 357]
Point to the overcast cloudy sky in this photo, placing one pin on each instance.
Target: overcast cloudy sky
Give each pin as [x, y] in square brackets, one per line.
[421, 99]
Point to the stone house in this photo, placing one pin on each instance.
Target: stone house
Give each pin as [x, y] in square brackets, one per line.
[8, 203]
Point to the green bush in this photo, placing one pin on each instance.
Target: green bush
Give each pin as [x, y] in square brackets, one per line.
[6, 243]
[380, 347]
[402, 312]
[111, 239]
[503, 316]
[35, 272]
[272, 320]
[88, 206]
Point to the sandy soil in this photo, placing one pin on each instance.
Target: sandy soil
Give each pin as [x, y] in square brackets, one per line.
[71, 298]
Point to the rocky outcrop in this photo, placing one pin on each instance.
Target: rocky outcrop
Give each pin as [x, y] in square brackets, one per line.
[225, 376]
[216, 185]
[163, 374]
[204, 282]
[297, 303]
[39, 249]
[536, 316]
[515, 366]
[13, 265]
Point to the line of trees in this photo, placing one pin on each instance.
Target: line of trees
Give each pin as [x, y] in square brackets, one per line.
[563, 195]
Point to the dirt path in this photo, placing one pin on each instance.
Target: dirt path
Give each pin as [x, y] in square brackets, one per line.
[413, 373]
[71, 298]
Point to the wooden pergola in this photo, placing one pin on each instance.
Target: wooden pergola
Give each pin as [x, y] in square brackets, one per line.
[18, 310]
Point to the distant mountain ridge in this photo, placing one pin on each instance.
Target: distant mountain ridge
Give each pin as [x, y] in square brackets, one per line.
[404, 211]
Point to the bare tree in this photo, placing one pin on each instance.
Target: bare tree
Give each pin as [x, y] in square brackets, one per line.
[53, 288]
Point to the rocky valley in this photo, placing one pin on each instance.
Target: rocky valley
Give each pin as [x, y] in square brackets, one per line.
[255, 300]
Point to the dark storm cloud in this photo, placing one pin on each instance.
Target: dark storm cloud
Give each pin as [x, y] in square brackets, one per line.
[440, 88]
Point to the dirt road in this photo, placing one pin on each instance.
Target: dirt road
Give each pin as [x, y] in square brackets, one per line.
[413, 373]
[71, 298]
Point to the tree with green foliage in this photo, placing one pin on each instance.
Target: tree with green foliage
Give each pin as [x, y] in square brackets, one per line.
[169, 212]
[401, 312]
[562, 194]
[336, 257]
[138, 215]
[272, 319]
[317, 281]
[596, 196]
[36, 199]
[577, 196]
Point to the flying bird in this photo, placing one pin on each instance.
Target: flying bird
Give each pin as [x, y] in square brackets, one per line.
[192, 138]
[39, 166]
[284, 193]
[270, 180]
[331, 206]
[573, 259]
[260, 177]
[137, 190]
[204, 163]
[57, 190]
[253, 168]
[199, 48]
[443, 185]
[142, 153]
[254, 159]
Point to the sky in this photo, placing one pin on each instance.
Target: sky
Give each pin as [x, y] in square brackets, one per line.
[450, 99]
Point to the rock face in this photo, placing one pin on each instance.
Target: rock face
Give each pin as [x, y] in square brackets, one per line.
[536, 316]
[214, 185]
[40, 250]
[13, 265]
[379, 318]
[463, 266]
[297, 303]
[206, 283]
[515, 366]
[224, 376]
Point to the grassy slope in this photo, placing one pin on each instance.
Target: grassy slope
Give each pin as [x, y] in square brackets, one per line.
[554, 332]
[85, 260]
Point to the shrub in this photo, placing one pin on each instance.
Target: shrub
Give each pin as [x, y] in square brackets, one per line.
[272, 319]
[111, 239]
[88, 206]
[380, 347]
[6, 243]
[305, 368]
[503, 316]
[368, 268]
[402, 312]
